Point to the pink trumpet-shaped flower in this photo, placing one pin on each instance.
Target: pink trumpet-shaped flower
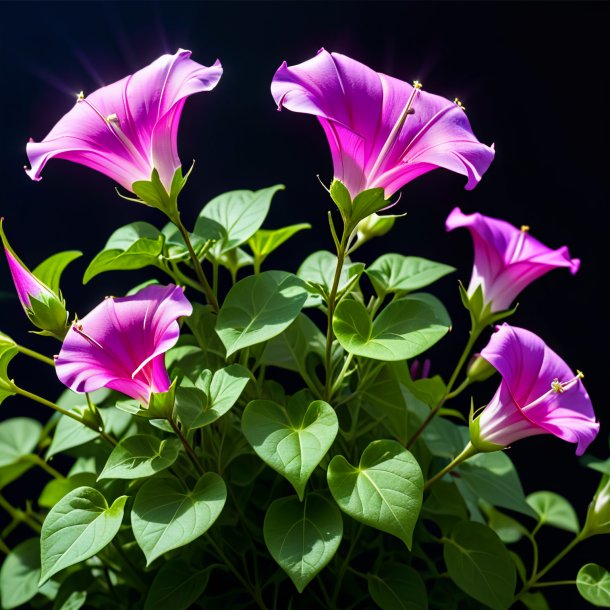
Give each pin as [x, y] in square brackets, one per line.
[539, 394]
[506, 259]
[382, 131]
[129, 128]
[121, 344]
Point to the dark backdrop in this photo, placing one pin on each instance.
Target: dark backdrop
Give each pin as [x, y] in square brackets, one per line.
[533, 77]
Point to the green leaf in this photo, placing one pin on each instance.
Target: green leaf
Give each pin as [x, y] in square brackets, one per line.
[493, 477]
[366, 203]
[480, 565]
[340, 195]
[405, 328]
[80, 525]
[213, 397]
[166, 515]
[258, 308]
[7, 352]
[50, 270]
[535, 601]
[395, 273]
[70, 433]
[508, 529]
[384, 491]
[264, 242]
[302, 536]
[56, 489]
[74, 601]
[18, 437]
[291, 440]
[139, 456]
[240, 213]
[553, 509]
[20, 574]
[398, 587]
[176, 586]
[593, 583]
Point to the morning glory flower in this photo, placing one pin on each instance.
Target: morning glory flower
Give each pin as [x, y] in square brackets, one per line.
[44, 308]
[506, 259]
[539, 394]
[382, 131]
[121, 344]
[129, 128]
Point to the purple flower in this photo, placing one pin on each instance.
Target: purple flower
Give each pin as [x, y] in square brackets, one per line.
[382, 131]
[129, 128]
[121, 344]
[539, 394]
[44, 308]
[506, 259]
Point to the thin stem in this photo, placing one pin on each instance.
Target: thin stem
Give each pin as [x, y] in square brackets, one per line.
[209, 293]
[181, 278]
[36, 355]
[4, 548]
[554, 583]
[46, 467]
[341, 375]
[19, 515]
[468, 452]
[186, 445]
[345, 565]
[137, 580]
[66, 412]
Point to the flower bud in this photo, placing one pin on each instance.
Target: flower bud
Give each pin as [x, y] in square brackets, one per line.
[479, 369]
[598, 516]
[374, 226]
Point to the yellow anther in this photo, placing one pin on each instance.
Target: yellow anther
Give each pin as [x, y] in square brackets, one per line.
[556, 386]
[417, 84]
[459, 104]
[112, 118]
[579, 374]
[80, 96]
[525, 228]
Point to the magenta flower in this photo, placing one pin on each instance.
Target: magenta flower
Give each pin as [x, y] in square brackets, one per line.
[129, 128]
[539, 394]
[382, 131]
[44, 308]
[121, 344]
[506, 259]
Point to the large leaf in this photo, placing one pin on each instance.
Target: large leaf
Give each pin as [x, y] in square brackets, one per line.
[593, 583]
[212, 396]
[80, 525]
[398, 587]
[480, 565]
[302, 536]
[405, 328]
[291, 440]
[139, 456]
[395, 273]
[18, 437]
[493, 477]
[239, 213]
[384, 491]
[176, 586]
[20, 574]
[553, 509]
[258, 308]
[166, 515]
[50, 270]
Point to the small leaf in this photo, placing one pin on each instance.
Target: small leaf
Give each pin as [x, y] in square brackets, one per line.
[264, 242]
[139, 456]
[405, 328]
[50, 270]
[258, 308]
[553, 509]
[7, 352]
[302, 536]
[593, 583]
[70, 433]
[20, 574]
[535, 601]
[80, 525]
[291, 440]
[398, 587]
[385, 490]
[166, 515]
[176, 586]
[480, 565]
[56, 489]
[74, 601]
[18, 437]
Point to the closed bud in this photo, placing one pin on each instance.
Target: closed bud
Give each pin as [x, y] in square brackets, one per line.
[479, 369]
[598, 516]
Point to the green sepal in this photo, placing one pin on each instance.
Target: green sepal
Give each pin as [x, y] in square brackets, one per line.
[154, 194]
[161, 404]
[475, 434]
[598, 515]
[364, 204]
[49, 314]
[480, 312]
[479, 369]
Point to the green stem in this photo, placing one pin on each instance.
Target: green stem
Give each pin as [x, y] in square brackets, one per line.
[209, 293]
[66, 412]
[186, 445]
[36, 459]
[36, 355]
[18, 515]
[4, 548]
[181, 278]
[137, 580]
[341, 375]
[554, 583]
[468, 452]
[345, 565]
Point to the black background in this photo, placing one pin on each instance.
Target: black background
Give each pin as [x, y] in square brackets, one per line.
[534, 80]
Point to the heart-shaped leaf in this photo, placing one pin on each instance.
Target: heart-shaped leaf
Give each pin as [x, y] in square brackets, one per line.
[398, 587]
[18, 437]
[20, 574]
[384, 491]
[291, 440]
[166, 515]
[593, 583]
[302, 536]
[553, 509]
